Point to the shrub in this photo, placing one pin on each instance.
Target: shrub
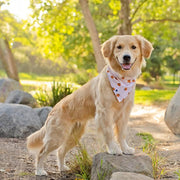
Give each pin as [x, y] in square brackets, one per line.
[146, 77]
[57, 92]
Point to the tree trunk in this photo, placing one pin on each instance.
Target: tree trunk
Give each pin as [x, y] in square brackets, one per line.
[125, 27]
[174, 77]
[8, 61]
[93, 34]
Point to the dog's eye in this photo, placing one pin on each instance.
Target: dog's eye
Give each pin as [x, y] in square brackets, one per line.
[133, 47]
[119, 47]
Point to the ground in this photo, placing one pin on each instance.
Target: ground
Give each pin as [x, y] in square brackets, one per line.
[16, 163]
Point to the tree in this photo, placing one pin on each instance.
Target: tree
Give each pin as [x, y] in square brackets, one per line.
[172, 58]
[155, 64]
[61, 33]
[6, 55]
[7, 58]
[125, 26]
[93, 33]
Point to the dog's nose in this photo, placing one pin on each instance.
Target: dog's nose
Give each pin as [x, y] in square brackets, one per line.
[127, 58]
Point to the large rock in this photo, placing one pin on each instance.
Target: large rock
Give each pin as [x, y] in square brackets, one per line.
[172, 115]
[105, 164]
[21, 97]
[129, 176]
[43, 113]
[18, 121]
[6, 86]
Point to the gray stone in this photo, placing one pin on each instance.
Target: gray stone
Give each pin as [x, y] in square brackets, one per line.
[146, 88]
[42, 113]
[17, 120]
[21, 97]
[6, 86]
[129, 176]
[105, 164]
[172, 115]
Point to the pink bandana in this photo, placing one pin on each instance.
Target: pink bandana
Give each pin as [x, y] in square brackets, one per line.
[120, 86]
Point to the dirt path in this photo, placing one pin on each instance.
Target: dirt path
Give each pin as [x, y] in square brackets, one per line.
[151, 119]
[15, 162]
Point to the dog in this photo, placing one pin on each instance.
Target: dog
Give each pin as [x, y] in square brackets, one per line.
[108, 98]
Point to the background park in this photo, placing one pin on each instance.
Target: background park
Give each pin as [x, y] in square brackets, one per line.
[52, 47]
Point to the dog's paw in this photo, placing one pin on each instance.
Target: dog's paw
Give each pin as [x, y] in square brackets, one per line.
[128, 150]
[114, 149]
[40, 172]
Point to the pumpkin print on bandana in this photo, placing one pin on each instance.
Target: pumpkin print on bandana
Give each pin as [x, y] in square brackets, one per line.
[120, 85]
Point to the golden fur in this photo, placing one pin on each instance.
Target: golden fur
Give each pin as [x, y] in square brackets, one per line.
[66, 122]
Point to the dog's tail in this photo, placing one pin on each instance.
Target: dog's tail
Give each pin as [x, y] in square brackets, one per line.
[35, 140]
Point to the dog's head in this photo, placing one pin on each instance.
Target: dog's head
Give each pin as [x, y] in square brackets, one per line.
[126, 53]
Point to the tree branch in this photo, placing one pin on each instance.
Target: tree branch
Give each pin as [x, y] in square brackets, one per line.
[163, 20]
[156, 20]
[137, 9]
[136, 21]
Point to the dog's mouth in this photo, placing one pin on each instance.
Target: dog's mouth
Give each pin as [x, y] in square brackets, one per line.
[127, 66]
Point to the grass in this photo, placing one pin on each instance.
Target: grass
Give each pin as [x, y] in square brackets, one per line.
[102, 174]
[80, 77]
[31, 82]
[82, 164]
[178, 173]
[153, 97]
[21, 174]
[150, 147]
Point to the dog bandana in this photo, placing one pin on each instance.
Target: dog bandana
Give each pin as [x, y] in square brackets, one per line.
[120, 86]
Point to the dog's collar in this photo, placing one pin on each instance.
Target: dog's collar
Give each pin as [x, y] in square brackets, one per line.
[121, 86]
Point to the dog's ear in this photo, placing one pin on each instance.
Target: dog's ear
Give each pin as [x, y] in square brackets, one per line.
[108, 46]
[146, 46]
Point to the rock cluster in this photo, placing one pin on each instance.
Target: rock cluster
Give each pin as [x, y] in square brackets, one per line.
[18, 117]
[19, 121]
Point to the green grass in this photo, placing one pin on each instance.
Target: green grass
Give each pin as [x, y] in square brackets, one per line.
[178, 173]
[153, 97]
[82, 164]
[150, 147]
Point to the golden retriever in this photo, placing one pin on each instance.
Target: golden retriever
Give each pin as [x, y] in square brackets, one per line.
[96, 99]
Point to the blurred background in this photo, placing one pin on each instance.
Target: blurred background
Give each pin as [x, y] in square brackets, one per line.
[59, 40]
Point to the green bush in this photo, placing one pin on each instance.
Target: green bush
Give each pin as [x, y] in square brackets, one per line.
[146, 77]
[57, 92]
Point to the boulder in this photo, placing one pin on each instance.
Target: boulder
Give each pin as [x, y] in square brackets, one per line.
[129, 176]
[6, 86]
[172, 115]
[21, 97]
[43, 113]
[105, 164]
[146, 88]
[18, 121]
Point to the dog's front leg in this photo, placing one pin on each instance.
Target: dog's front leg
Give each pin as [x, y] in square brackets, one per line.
[121, 125]
[104, 120]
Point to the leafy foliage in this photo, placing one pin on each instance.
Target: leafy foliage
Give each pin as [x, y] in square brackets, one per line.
[58, 91]
[55, 40]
